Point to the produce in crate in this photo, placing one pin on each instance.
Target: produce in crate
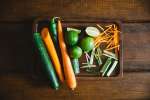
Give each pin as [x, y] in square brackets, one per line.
[97, 45]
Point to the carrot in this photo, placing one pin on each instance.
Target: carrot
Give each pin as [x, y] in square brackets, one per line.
[113, 47]
[52, 52]
[68, 69]
[116, 40]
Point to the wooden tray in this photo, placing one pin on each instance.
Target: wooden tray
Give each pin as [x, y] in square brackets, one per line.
[80, 24]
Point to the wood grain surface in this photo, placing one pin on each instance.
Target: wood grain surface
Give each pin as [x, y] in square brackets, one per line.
[18, 80]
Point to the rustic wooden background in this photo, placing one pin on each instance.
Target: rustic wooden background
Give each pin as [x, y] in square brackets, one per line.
[17, 80]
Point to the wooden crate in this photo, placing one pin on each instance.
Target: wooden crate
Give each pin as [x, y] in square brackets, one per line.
[80, 24]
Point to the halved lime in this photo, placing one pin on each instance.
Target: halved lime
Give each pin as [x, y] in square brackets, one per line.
[92, 31]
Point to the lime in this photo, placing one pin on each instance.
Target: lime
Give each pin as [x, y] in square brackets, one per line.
[71, 37]
[92, 31]
[76, 52]
[87, 44]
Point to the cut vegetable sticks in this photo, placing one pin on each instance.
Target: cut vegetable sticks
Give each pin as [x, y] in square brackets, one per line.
[112, 68]
[106, 66]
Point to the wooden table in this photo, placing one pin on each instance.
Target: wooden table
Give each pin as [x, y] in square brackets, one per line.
[17, 80]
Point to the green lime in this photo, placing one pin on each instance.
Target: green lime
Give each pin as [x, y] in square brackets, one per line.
[87, 44]
[71, 37]
[76, 52]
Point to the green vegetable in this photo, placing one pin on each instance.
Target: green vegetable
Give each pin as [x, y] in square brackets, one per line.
[71, 38]
[87, 44]
[110, 54]
[98, 55]
[53, 29]
[53, 33]
[46, 61]
[76, 52]
[112, 68]
[75, 65]
[106, 66]
[92, 56]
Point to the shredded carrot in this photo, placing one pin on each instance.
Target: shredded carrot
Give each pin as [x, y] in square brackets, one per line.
[113, 47]
[110, 40]
[110, 36]
[109, 45]
[116, 40]
[102, 38]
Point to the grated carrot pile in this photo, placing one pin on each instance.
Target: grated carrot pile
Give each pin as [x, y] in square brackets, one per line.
[109, 36]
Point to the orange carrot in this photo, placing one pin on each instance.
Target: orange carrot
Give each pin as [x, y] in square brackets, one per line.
[116, 40]
[68, 69]
[52, 52]
[113, 47]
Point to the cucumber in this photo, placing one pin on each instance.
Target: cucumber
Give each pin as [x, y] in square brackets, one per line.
[46, 61]
[106, 66]
[75, 65]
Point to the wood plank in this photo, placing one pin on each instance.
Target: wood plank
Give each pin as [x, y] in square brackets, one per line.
[136, 46]
[16, 47]
[16, 10]
[133, 86]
